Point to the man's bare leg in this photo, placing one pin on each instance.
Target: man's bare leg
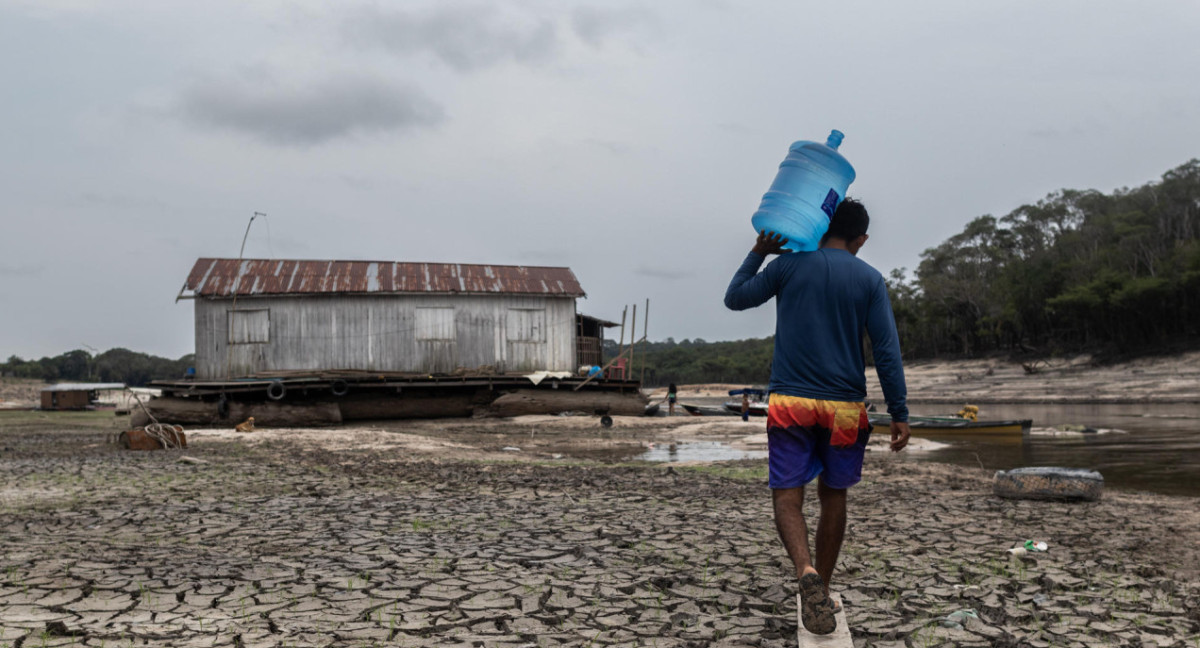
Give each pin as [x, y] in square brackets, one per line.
[793, 532]
[831, 529]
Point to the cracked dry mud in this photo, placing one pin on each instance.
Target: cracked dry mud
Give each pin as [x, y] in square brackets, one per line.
[293, 544]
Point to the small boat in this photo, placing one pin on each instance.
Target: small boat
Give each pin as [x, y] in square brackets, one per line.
[758, 401]
[701, 410]
[954, 425]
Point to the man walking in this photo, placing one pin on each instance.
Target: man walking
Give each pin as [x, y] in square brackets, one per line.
[817, 424]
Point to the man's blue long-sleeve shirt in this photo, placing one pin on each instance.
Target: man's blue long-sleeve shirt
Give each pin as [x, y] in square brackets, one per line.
[823, 301]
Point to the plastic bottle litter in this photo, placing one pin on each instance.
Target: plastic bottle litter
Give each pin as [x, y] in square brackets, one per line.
[1032, 545]
[1017, 552]
[811, 182]
[959, 619]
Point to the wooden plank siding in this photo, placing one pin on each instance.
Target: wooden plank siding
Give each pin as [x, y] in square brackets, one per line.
[409, 333]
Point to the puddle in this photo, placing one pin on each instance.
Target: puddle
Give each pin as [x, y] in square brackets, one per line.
[698, 451]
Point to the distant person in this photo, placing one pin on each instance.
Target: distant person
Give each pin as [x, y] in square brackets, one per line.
[671, 391]
[816, 423]
[745, 407]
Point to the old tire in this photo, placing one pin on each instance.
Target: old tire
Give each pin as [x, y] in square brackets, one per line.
[339, 387]
[276, 390]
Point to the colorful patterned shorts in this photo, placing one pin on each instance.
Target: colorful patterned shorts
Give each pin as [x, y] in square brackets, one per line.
[807, 437]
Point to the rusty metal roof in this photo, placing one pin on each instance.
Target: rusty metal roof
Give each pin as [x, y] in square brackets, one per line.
[256, 277]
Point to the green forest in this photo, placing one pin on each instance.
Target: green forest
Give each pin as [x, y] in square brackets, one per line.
[1115, 274]
[115, 365]
[1079, 271]
[697, 361]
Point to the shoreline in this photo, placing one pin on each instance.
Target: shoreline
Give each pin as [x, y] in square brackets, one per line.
[1077, 380]
[1051, 400]
[1074, 380]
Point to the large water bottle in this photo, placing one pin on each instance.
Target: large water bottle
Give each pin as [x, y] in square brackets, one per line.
[811, 182]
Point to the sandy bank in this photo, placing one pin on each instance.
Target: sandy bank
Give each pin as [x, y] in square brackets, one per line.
[1078, 379]
[1174, 379]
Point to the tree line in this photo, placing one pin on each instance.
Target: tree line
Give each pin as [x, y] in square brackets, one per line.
[1078, 271]
[698, 361]
[115, 365]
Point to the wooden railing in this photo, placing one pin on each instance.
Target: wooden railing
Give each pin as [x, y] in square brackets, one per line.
[587, 351]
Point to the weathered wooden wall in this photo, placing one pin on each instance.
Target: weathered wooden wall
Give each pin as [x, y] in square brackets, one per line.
[65, 400]
[414, 333]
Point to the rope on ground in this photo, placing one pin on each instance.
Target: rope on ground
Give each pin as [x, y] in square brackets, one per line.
[166, 434]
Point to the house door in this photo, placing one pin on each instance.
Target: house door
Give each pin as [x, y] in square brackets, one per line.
[526, 339]
[437, 340]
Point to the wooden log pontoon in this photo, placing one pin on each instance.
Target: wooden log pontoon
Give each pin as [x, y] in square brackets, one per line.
[292, 399]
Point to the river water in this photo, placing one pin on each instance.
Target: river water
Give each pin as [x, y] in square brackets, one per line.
[1159, 451]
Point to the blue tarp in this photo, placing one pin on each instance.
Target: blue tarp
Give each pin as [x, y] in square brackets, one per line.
[750, 391]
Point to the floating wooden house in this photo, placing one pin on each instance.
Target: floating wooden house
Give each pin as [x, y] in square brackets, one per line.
[257, 316]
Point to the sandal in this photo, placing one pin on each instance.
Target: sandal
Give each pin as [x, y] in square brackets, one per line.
[816, 608]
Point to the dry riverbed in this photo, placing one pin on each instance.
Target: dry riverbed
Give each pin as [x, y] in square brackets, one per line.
[433, 533]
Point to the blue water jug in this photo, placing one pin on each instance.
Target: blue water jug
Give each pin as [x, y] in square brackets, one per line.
[811, 182]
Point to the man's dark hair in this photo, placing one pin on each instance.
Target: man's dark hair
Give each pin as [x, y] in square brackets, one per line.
[849, 222]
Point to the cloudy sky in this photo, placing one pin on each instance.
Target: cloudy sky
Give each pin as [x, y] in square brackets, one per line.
[630, 141]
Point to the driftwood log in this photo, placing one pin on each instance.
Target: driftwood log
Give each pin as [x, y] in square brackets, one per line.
[545, 401]
[192, 411]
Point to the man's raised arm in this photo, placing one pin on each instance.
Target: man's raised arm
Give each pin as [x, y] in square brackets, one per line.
[748, 288]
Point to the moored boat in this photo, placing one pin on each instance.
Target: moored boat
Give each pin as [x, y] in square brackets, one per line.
[758, 401]
[954, 425]
[702, 410]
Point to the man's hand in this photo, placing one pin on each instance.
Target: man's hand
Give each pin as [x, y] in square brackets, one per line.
[770, 243]
[900, 434]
